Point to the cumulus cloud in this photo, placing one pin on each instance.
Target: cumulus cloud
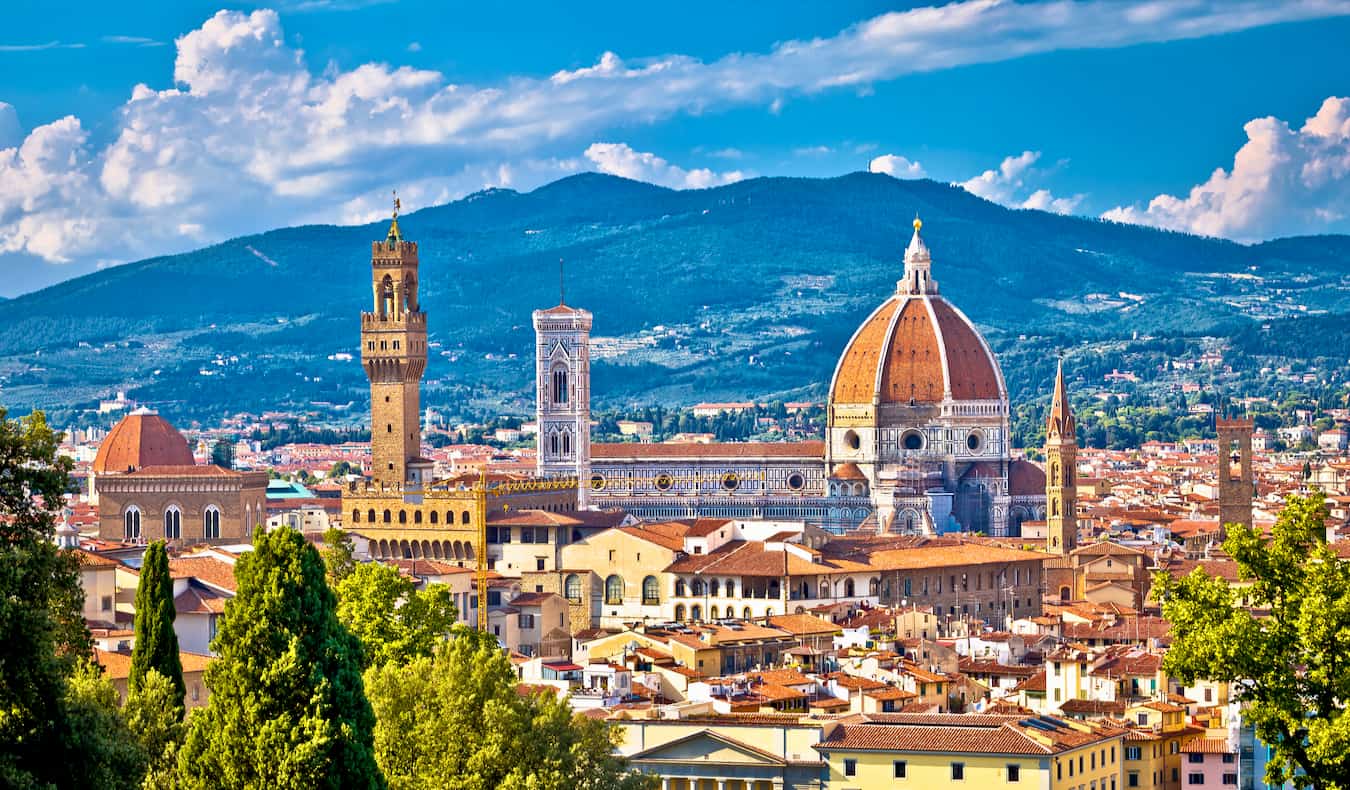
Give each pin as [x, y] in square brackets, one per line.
[1284, 181]
[1012, 185]
[248, 137]
[898, 166]
[620, 160]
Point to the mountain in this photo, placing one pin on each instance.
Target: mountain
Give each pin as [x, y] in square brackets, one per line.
[745, 290]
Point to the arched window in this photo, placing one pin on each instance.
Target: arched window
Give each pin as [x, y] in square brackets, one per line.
[614, 589]
[712, 613]
[680, 590]
[696, 613]
[651, 591]
[714, 588]
[746, 614]
[356, 516]
[403, 517]
[731, 588]
[679, 612]
[560, 386]
[824, 589]
[848, 588]
[874, 586]
[553, 443]
[370, 515]
[131, 523]
[435, 517]
[211, 522]
[464, 517]
[696, 587]
[566, 443]
[572, 588]
[388, 516]
[173, 523]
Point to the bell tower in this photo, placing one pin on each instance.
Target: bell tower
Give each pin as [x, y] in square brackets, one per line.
[1061, 461]
[563, 394]
[394, 355]
[1235, 470]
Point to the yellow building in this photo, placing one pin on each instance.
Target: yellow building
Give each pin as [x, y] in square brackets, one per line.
[1166, 726]
[706, 751]
[970, 751]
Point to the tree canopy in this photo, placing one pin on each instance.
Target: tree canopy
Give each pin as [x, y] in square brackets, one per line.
[42, 630]
[156, 642]
[392, 618]
[287, 707]
[1288, 667]
[455, 721]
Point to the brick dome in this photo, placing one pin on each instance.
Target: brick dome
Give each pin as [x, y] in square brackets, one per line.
[142, 439]
[916, 348]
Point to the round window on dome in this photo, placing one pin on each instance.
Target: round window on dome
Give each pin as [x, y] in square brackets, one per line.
[975, 441]
[912, 440]
[851, 439]
[796, 482]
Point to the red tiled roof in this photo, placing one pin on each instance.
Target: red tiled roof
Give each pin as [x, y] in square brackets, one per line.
[141, 439]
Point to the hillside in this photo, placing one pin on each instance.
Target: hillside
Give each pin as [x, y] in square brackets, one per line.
[755, 287]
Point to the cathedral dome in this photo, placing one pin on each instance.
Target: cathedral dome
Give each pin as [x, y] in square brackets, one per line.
[140, 439]
[916, 348]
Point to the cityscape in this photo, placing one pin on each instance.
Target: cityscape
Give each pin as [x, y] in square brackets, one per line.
[607, 472]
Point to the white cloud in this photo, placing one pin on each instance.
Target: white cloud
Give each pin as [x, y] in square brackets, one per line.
[620, 160]
[1284, 181]
[39, 47]
[138, 41]
[893, 165]
[1012, 185]
[813, 150]
[249, 137]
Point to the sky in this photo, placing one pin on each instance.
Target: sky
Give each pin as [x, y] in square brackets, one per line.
[132, 130]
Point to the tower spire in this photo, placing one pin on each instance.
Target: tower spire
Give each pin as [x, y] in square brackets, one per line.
[1061, 461]
[1061, 415]
[918, 279]
[394, 233]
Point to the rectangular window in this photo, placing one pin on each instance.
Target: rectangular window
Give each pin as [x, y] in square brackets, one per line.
[539, 564]
[850, 768]
[958, 772]
[1132, 753]
[1195, 778]
[900, 769]
[1228, 759]
[1014, 773]
[107, 603]
[1132, 779]
[527, 621]
[1230, 779]
[1195, 758]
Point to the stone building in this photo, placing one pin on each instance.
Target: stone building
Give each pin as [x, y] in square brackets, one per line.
[1236, 481]
[1061, 477]
[147, 487]
[401, 510]
[917, 438]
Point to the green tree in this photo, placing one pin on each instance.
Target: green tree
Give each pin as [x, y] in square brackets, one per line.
[109, 754]
[42, 630]
[455, 721]
[287, 707]
[154, 714]
[156, 643]
[1288, 668]
[222, 453]
[338, 554]
[393, 620]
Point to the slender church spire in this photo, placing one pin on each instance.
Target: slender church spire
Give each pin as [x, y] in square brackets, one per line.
[1061, 464]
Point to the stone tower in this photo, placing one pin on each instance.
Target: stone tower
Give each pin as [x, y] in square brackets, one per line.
[1235, 471]
[563, 394]
[394, 354]
[1061, 460]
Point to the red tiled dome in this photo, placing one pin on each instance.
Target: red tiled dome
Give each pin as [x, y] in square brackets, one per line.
[142, 439]
[919, 348]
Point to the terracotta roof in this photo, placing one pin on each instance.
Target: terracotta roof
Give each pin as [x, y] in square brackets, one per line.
[533, 599]
[211, 570]
[141, 439]
[801, 624]
[534, 518]
[184, 470]
[117, 665]
[971, 369]
[813, 450]
[962, 733]
[1025, 478]
[855, 378]
[667, 534]
[561, 309]
[428, 567]
[848, 471]
[89, 559]
[200, 599]
[1207, 746]
[703, 527]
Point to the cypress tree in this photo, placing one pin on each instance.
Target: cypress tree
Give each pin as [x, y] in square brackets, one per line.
[287, 708]
[156, 642]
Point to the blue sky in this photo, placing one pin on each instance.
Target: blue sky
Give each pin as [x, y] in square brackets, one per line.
[139, 129]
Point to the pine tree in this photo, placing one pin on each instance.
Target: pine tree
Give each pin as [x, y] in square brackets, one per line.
[156, 642]
[288, 708]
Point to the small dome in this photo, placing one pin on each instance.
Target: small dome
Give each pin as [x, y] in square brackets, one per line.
[1025, 478]
[140, 439]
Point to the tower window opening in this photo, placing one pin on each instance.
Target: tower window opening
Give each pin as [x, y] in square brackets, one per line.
[560, 386]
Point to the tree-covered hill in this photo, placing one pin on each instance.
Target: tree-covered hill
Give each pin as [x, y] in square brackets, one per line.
[756, 287]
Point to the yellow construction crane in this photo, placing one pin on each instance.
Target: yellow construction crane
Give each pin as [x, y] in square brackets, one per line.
[482, 490]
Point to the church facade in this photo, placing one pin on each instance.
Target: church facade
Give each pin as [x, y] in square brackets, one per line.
[917, 437]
